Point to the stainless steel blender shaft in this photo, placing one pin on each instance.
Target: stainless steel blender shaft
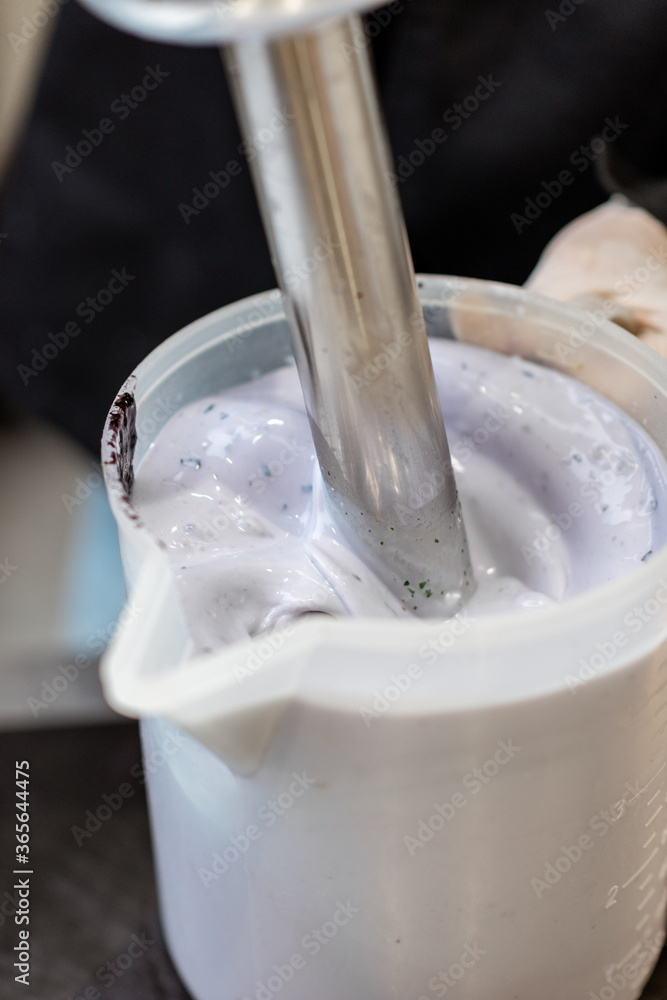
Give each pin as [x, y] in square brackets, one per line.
[308, 109]
[307, 104]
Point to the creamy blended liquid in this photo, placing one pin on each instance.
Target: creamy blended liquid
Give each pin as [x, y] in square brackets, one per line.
[560, 490]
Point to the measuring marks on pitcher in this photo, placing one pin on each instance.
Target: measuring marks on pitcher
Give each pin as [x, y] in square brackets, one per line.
[646, 886]
[646, 879]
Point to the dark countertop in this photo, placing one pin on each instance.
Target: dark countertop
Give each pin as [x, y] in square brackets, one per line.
[88, 901]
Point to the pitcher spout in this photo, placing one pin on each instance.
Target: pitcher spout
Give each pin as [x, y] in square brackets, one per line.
[232, 700]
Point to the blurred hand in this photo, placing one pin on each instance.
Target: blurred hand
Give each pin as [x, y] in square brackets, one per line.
[614, 257]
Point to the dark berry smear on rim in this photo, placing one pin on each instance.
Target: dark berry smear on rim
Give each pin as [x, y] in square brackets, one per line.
[122, 430]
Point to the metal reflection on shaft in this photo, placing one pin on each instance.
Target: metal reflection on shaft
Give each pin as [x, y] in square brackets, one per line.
[309, 113]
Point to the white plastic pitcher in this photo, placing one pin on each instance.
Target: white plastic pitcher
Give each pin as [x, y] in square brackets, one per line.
[360, 809]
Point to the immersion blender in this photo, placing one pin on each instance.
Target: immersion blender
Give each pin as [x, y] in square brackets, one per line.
[341, 256]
